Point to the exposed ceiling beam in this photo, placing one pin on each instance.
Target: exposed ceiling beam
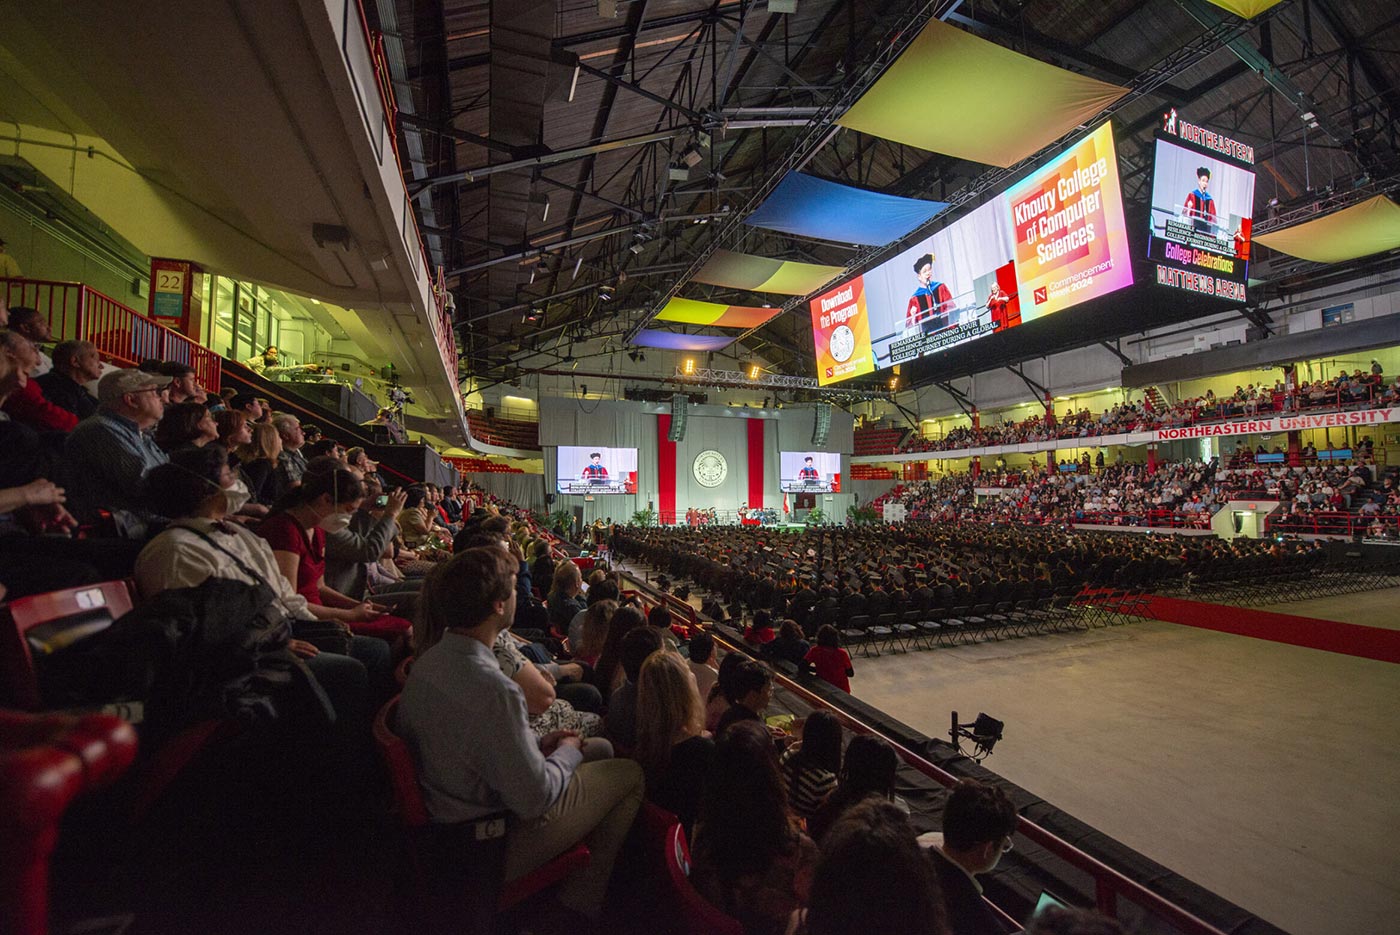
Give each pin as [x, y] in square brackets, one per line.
[551, 159]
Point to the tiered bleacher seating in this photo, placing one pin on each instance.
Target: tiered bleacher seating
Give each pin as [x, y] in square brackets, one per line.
[871, 472]
[508, 433]
[879, 440]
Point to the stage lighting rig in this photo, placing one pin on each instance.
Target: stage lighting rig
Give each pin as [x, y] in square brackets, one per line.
[983, 732]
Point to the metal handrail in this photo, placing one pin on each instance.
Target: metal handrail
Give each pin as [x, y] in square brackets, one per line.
[122, 335]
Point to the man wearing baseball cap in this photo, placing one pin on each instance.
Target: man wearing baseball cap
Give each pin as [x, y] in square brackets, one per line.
[110, 452]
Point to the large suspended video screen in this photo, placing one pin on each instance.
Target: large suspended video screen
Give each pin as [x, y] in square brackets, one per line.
[595, 470]
[809, 472]
[1202, 210]
[1047, 243]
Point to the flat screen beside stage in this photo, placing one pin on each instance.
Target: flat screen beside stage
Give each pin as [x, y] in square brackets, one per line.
[1202, 211]
[809, 472]
[1049, 242]
[594, 470]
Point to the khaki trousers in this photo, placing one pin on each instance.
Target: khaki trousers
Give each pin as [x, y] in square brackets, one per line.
[597, 808]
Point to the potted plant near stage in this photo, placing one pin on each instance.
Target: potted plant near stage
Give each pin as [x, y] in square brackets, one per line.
[645, 517]
[815, 516]
[859, 515]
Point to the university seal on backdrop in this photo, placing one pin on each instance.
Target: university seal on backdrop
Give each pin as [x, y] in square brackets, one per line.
[710, 468]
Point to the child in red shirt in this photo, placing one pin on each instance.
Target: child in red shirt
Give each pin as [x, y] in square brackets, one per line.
[831, 662]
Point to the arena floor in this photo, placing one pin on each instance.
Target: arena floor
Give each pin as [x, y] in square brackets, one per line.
[1265, 772]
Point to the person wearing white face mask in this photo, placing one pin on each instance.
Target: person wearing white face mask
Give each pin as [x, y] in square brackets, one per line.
[297, 530]
[198, 490]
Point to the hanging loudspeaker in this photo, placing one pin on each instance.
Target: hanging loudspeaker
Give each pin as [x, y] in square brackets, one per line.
[677, 433]
[821, 427]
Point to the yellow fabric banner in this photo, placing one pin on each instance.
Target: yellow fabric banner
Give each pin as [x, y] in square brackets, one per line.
[951, 92]
[1361, 230]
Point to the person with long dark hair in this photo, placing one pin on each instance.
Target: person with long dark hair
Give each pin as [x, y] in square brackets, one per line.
[869, 771]
[607, 674]
[297, 529]
[873, 877]
[185, 424]
[751, 859]
[810, 765]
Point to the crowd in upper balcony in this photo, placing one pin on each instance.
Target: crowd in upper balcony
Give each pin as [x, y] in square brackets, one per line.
[1353, 390]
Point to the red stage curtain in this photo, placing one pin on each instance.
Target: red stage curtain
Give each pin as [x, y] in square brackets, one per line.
[665, 471]
[755, 462]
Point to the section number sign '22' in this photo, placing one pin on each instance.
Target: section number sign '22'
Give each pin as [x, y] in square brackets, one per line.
[1049, 242]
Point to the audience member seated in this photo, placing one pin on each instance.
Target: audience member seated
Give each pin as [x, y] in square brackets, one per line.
[717, 699]
[593, 635]
[750, 693]
[548, 712]
[659, 619]
[672, 746]
[351, 552]
[250, 405]
[291, 463]
[872, 876]
[829, 661]
[760, 632]
[196, 490]
[259, 459]
[109, 453]
[184, 384]
[978, 822]
[750, 858]
[296, 530]
[564, 599]
[467, 727]
[607, 674]
[27, 403]
[75, 363]
[868, 772]
[811, 764]
[702, 663]
[636, 647]
[183, 424]
[788, 646]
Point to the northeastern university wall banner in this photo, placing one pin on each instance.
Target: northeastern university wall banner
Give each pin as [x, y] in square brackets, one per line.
[1330, 420]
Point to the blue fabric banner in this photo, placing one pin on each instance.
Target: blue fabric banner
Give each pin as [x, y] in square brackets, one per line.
[806, 206]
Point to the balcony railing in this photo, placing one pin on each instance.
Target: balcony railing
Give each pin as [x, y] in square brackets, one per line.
[123, 336]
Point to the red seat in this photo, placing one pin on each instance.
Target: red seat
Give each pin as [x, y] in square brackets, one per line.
[88, 609]
[47, 761]
[693, 914]
[413, 815]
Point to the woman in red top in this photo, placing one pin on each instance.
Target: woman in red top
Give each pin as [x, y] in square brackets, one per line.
[829, 660]
[323, 503]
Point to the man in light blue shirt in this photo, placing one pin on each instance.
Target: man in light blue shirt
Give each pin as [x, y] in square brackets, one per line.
[109, 453]
[467, 726]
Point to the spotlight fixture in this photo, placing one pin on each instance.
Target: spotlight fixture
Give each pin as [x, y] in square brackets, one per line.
[754, 372]
[688, 368]
[678, 173]
[983, 732]
[782, 6]
[636, 249]
[691, 156]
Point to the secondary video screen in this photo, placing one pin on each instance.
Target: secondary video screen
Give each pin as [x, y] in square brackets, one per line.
[1202, 214]
[809, 472]
[595, 470]
[1047, 243]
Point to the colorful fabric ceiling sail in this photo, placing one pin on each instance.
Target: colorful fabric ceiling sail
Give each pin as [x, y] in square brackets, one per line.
[670, 341]
[806, 206]
[760, 274]
[954, 93]
[1361, 230]
[713, 314]
[1245, 9]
